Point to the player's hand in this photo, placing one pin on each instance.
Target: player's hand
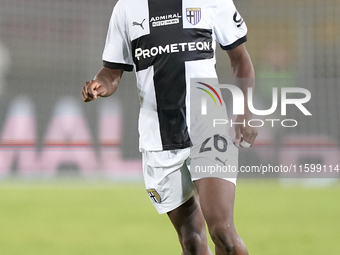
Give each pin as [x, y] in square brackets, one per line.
[92, 90]
[245, 135]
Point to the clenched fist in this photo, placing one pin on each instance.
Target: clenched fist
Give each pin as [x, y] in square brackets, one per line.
[92, 90]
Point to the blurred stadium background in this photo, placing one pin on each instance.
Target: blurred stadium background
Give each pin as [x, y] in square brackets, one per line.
[48, 49]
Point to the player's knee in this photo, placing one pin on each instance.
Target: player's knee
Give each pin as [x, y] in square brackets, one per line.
[227, 239]
[192, 244]
[222, 240]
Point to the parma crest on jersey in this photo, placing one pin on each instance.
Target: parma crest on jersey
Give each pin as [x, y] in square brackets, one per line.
[193, 15]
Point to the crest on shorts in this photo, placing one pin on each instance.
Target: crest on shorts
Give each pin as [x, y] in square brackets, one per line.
[155, 197]
[194, 15]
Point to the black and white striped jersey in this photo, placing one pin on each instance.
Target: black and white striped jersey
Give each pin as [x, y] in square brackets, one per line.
[167, 43]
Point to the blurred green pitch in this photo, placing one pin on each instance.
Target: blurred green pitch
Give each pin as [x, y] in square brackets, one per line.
[102, 218]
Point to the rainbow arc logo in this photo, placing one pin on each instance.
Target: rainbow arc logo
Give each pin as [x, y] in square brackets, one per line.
[209, 93]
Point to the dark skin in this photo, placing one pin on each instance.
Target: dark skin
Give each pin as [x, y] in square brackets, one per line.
[218, 212]
[189, 219]
[243, 72]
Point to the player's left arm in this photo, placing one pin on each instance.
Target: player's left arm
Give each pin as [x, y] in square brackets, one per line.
[244, 74]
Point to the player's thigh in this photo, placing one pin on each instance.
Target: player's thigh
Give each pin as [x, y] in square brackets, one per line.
[216, 200]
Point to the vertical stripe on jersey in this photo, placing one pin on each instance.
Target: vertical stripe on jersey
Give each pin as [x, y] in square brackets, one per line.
[169, 70]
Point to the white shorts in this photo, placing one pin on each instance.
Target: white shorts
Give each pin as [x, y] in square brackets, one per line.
[167, 177]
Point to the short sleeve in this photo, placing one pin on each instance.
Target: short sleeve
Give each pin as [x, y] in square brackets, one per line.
[117, 51]
[229, 27]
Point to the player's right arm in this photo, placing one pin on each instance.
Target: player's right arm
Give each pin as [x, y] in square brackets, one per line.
[104, 84]
[117, 58]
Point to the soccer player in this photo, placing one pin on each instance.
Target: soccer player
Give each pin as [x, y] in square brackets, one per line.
[168, 43]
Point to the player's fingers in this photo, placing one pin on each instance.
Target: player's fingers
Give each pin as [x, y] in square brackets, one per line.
[92, 89]
[245, 144]
[85, 96]
[249, 136]
[88, 91]
[253, 136]
[85, 87]
[237, 135]
[84, 92]
[101, 91]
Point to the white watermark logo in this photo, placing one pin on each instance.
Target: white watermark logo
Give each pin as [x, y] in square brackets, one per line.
[239, 105]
